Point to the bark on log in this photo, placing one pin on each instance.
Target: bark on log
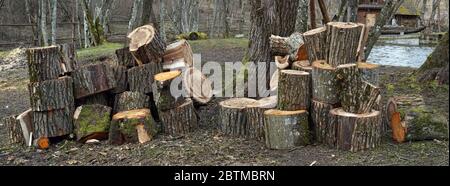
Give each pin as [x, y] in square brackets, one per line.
[294, 90]
[343, 40]
[197, 86]
[282, 62]
[255, 116]
[53, 123]
[370, 73]
[91, 122]
[141, 78]
[26, 123]
[131, 101]
[44, 63]
[356, 132]
[164, 99]
[13, 130]
[304, 65]
[177, 52]
[69, 57]
[100, 99]
[233, 116]
[51, 94]
[180, 120]
[135, 126]
[146, 45]
[124, 58]
[320, 121]
[286, 129]
[316, 44]
[120, 75]
[93, 79]
[325, 85]
[286, 46]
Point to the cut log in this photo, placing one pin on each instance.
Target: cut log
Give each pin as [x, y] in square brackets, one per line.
[13, 130]
[343, 40]
[53, 123]
[120, 75]
[141, 78]
[316, 44]
[356, 132]
[255, 116]
[124, 58]
[131, 101]
[302, 53]
[26, 123]
[282, 62]
[146, 45]
[233, 116]
[197, 86]
[293, 90]
[286, 129]
[100, 99]
[132, 127]
[390, 108]
[68, 53]
[92, 122]
[325, 85]
[180, 120]
[398, 128]
[42, 143]
[93, 79]
[51, 94]
[274, 81]
[304, 65]
[356, 95]
[179, 51]
[164, 98]
[320, 118]
[370, 73]
[44, 63]
[283, 46]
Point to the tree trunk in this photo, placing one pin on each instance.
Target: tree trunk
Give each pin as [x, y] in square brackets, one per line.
[312, 14]
[320, 120]
[69, 57]
[255, 116]
[53, 123]
[180, 120]
[131, 101]
[325, 85]
[148, 16]
[343, 40]
[301, 24]
[134, 14]
[141, 78]
[162, 17]
[135, 126]
[54, 15]
[233, 116]
[51, 94]
[125, 58]
[286, 129]
[293, 90]
[324, 11]
[316, 44]
[93, 79]
[94, 27]
[162, 94]
[44, 63]
[91, 122]
[120, 75]
[98, 98]
[436, 4]
[437, 61]
[44, 22]
[146, 45]
[13, 130]
[370, 73]
[352, 10]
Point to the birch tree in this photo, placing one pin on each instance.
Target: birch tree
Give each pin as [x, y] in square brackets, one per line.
[54, 15]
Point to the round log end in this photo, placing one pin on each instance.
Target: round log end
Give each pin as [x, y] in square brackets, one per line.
[275, 112]
[322, 64]
[132, 114]
[237, 103]
[314, 31]
[162, 77]
[141, 36]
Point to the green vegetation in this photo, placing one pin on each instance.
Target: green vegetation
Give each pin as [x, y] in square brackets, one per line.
[218, 44]
[102, 50]
[3, 53]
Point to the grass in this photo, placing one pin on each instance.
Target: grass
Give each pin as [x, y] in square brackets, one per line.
[218, 44]
[94, 52]
[3, 53]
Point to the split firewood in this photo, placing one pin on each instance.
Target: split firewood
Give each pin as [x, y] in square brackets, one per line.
[180, 120]
[125, 58]
[42, 143]
[93, 79]
[91, 122]
[178, 54]
[370, 72]
[52, 123]
[51, 94]
[283, 46]
[164, 98]
[320, 118]
[69, 57]
[26, 123]
[13, 130]
[255, 116]
[233, 116]
[131, 101]
[44, 63]
[286, 129]
[355, 132]
[132, 127]
[197, 86]
[141, 78]
[282, 62]
[325, 85]
[316, 44]
[146, 45]
[293, 90]
[343, 41]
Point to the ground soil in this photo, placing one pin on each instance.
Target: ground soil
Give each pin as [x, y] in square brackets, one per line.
[207, 146]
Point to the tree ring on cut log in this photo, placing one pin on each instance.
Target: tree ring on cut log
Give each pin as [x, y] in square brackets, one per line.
[299, 65]
[197, 86]
[162, 77]
[234, 117]
[140, 113]
[140, 37]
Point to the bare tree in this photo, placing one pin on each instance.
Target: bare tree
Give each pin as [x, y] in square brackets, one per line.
[54, 15]
[220, 25]
[434, 9]
[301, 24]
[352, 10]
[342, 12]
[148, 16]
[185, 15]
[162, 16]
[134, 14]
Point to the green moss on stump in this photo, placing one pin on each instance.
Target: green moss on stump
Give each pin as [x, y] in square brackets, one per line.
[91, 119]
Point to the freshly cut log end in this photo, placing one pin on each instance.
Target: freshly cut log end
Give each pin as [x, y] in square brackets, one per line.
[343, 41]
[294, 90]
[355, 132]
[180, 120]
[286, 129]
[325, 85]
[233, 116]
[146, 45]
[320, 118]
[42, 143]
[282, 62]
[135, 126]
[131, 101]
[53, 123]
[255, 116]
[44, 63]
[398, 128]
[316, 44]
[301, 65]
[141, 78]
[302, 53]
[177, 52]
[69, 57]
[13, 130]
[93, 79]
[163, 96]
[51, 94]
[370, 72]
[390, 108]
[125, 58]
[90, 121]
[197, 86]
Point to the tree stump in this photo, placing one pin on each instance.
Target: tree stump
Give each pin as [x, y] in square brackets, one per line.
[304, 65]
[370, 73]
[255, 116]
[69, 56]
[180, 120]
[343, 40]
[325, 85]
[178, 52]
[131, 101]
[293, 90]
[52, 123]
[132, 127]
[282, 62]
[164, 98]
[92, 122]
[13, 130]
[320, 117]
[316, 44]
[120, 75]
[51, 94]
[44, 63]
[286, 129]
[93, 79]
[146, 45]
[124, 58]
[286, 46]
[197, 86]
[233, 116]
[356, 132]
[141, 78]
[26, 123]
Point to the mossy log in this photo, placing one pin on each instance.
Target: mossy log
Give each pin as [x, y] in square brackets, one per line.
[44, 63]
[53, 123]
[343, 40]
[146, 45]
[325, 85]
[51, 94]
[26, 123]
[233, 117]
[93, 79]
[13, 130]
[294, 90]
[178, 52]
[124, 58]
[92, 122]
[319, 117]
[356, 132]
[68, 53]
[141, 78]
[180, 120]
[134, 126]
[370, 73]
[164, 98]
[286, 46]
[120, 75]
[286, 129]
[255, 116]
[316, 44]
[197, 86]
[131, 101]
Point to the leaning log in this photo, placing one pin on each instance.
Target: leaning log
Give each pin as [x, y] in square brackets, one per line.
[255, 116]
[293, 90]
[162, 94]
[146, 45]
[325, 85]
[316, 44]
[93, 79]
[13, 130]
[52, 123]
[233, 117]
[131, 101]
[135, 126]
[51, 94]
[141, 78]
[180, 120]
[44, 63]
[91, 122]
[343, 40]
